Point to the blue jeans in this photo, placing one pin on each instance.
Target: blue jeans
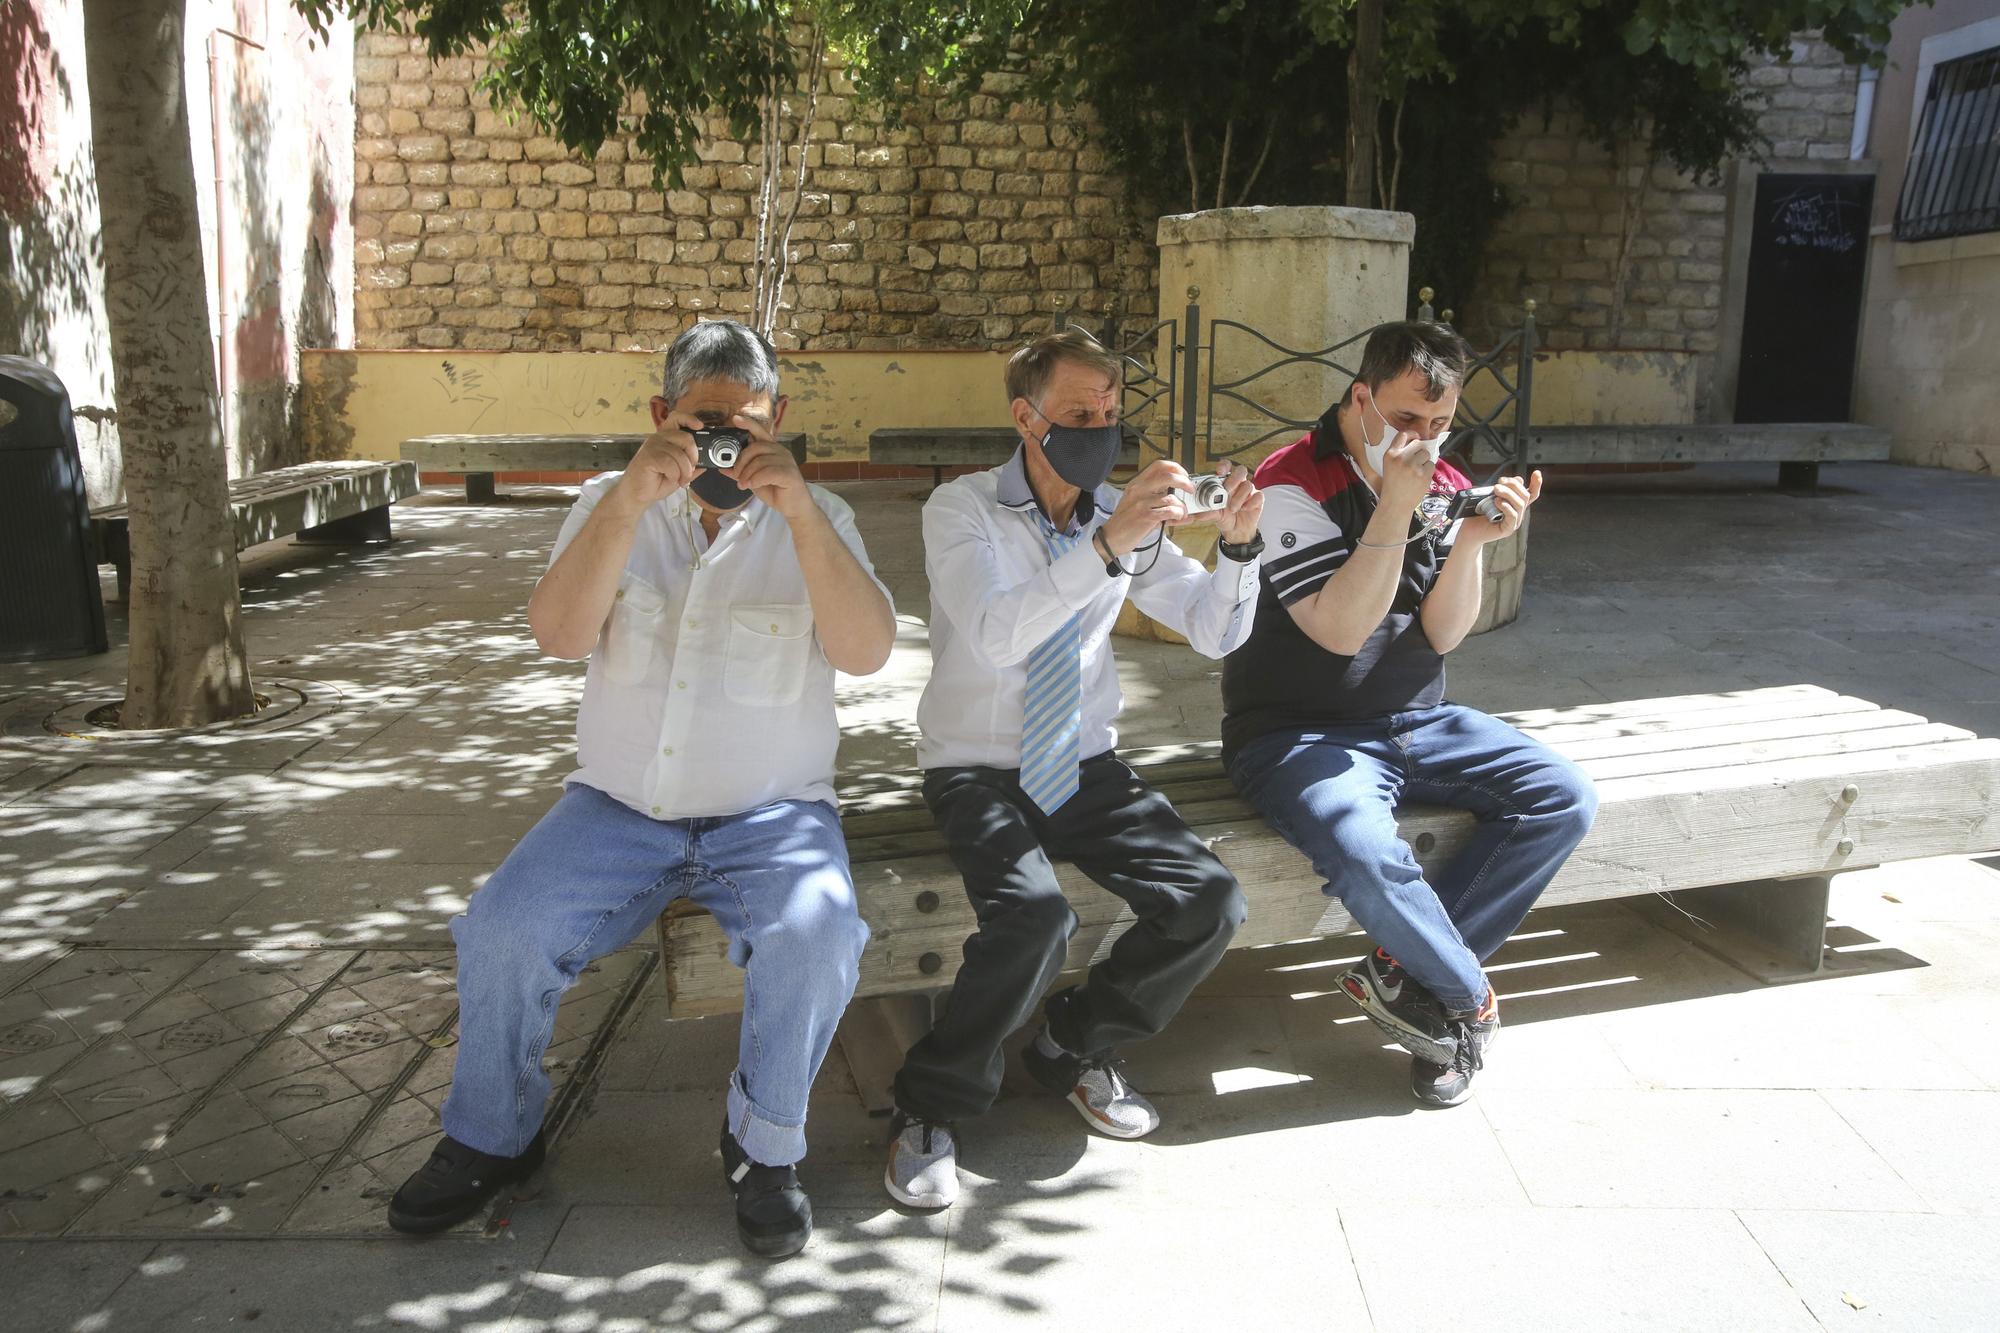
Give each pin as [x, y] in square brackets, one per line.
[1332, 792]
[593, 874]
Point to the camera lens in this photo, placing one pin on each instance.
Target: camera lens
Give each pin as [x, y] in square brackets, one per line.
[724, 453]
[1211, 493]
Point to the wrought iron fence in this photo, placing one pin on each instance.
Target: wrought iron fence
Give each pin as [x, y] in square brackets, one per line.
[1162, 366]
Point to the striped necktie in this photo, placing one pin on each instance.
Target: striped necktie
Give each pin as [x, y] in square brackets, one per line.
[1050, 718]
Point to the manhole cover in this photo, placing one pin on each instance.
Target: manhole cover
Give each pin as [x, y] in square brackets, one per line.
[26, 1039]
[356, 1036]
[197, 1034]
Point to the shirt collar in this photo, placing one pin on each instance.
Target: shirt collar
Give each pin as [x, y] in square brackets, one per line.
[1014, 492]
[1326, 435]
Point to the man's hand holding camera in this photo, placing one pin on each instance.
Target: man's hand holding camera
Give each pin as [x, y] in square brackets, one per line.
[664, 463]
[1154, 497]
[768, 471]
[1511, 497]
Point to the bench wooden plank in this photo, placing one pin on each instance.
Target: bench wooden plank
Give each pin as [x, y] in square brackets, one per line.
[1740, 821]
[336, 501]
[1720, 443]
[940, 447]
[481, 457]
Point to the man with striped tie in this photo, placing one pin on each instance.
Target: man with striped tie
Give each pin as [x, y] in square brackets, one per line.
[1028, 566]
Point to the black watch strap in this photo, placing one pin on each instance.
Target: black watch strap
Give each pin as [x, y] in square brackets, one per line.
[1244, 553]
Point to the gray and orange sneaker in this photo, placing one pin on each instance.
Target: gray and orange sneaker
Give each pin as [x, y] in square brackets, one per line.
[1098, 1089]
[1408, 1014]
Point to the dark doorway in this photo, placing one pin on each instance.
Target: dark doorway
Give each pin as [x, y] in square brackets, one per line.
[1802, 297]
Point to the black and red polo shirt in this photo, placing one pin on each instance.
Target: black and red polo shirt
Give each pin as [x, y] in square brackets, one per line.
[1316, 506]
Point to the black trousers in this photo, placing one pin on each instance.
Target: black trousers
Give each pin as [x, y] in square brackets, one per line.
[1127, 838]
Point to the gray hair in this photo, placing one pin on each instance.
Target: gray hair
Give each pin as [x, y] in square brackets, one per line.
[720, 349]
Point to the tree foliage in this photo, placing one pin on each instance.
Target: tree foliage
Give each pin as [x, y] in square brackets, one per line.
[1191, 97]
[662, 69]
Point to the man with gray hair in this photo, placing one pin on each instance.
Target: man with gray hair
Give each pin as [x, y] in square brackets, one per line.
[715, 594]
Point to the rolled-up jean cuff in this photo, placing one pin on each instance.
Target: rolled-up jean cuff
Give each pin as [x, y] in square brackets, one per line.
[767, 1139]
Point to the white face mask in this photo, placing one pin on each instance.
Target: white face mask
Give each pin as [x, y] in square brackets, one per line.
[1377, 450]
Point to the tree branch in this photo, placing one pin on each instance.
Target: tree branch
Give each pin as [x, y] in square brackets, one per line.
[1270, 136]
[1222, 172]
[1194, 174]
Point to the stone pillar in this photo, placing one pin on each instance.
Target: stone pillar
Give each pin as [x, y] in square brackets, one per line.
[1305, 278]
[1501, 580]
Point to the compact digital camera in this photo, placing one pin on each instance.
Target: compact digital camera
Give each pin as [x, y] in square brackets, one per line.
[1475, 500]
[1210, 495]
[719, 446]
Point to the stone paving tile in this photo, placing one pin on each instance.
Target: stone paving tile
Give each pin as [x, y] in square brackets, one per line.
[1550, 1269]
[1886, 1270]
[671, 1267]
[244, 1094]
[1586, 1148]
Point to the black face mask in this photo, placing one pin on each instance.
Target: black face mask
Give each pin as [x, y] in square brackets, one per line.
[717, 490]
[1083, 456]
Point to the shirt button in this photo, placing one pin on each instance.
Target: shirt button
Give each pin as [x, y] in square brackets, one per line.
[618, 596]
[667, 750]
[693, 623]
[656, 809]
[774, 627]
[680, 684]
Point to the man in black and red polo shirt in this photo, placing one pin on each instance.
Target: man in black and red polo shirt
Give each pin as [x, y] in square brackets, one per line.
[1334, 709]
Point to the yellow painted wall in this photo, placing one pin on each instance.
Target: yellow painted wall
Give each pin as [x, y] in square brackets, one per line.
[364, 404]
[1929, 370]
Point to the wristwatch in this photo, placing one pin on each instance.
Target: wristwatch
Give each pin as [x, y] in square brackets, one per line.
[1245, 553]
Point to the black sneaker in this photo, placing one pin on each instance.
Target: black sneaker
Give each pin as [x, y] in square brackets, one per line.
[1394, 1002]
[1450, 1084]
[457, 1182]
[774, 1217]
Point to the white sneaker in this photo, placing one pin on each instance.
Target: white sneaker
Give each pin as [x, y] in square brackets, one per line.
[923, 1164]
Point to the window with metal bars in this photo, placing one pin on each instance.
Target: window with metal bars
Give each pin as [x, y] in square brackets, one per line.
[1953, 185]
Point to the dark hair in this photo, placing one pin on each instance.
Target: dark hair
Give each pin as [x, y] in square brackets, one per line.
[1432, 350]
[720, 349]
[1028, 370]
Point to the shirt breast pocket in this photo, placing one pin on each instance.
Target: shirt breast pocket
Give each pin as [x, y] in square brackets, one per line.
[770, 651]
[635, 630]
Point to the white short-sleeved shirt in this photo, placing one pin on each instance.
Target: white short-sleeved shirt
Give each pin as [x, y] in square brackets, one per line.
[708, 692]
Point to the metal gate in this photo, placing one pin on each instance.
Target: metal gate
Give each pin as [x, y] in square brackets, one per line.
[1171, 408]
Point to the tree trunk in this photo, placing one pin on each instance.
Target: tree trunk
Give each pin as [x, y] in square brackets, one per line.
[187, 661]
[1364, 99]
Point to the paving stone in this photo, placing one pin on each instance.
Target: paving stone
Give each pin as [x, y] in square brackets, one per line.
[1886, 1270]
[1536, 1269]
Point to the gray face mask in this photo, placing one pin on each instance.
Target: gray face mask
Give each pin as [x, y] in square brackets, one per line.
[1083, 456]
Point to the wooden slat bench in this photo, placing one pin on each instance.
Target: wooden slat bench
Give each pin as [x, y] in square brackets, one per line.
[336, 503]
[481, 457]
[1798, 450]
[1749, 802]
[940, 447]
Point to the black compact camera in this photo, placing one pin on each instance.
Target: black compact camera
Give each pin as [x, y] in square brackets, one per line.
[719, 446]
[1475, 500]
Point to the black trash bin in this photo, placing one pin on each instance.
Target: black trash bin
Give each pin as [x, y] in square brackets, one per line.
[49, 601]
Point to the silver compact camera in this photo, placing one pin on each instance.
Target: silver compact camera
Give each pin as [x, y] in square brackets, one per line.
[1210, 494]
[719, 446]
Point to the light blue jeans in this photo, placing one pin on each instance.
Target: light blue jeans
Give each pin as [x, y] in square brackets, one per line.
[1332, 792]
[592, 875]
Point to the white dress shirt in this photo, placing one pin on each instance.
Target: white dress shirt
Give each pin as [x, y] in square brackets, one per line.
[995, 595]
[708, 692]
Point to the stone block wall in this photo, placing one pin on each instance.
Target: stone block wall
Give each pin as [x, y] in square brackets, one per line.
[966, 227]
[1582, 215]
